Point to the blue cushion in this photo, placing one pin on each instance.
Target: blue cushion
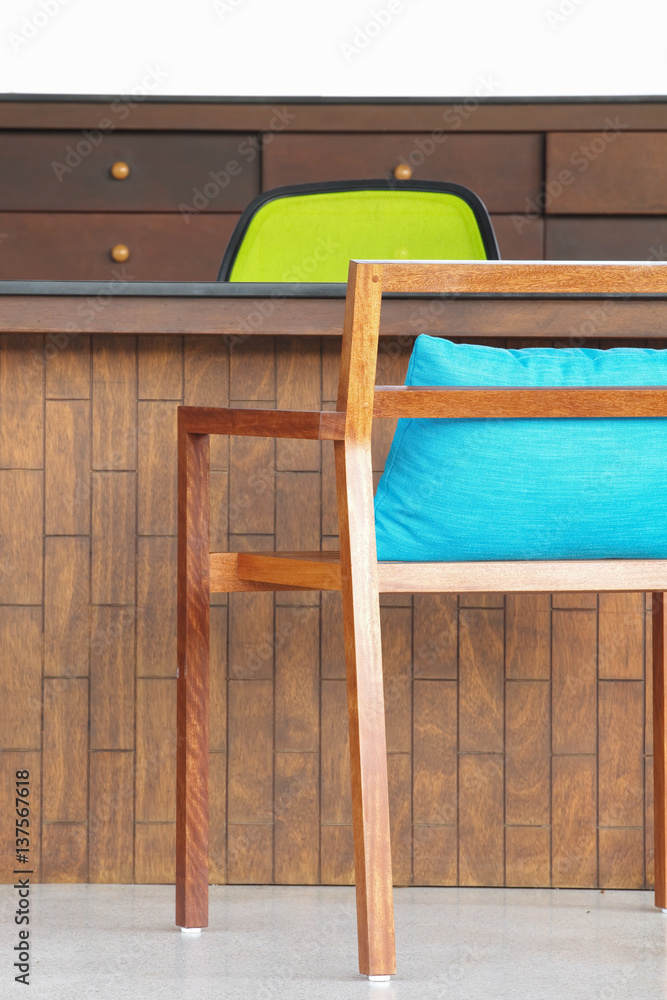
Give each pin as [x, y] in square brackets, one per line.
[526, 489]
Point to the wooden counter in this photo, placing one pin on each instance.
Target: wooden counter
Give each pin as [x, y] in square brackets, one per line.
[515, 723]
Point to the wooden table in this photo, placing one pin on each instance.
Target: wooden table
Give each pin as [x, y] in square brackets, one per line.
[90, 377]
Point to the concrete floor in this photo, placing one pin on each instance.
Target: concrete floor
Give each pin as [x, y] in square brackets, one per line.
[280, 942]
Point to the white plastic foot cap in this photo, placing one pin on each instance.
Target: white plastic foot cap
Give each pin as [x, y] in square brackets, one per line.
[663, 910]
[379, 979]
[190, 930]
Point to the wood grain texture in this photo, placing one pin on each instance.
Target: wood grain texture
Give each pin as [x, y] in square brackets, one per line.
[574, 821]
[434, 855]
[399, 772]
[64, 852]
[68, 367]
[112, 678]
[527, 748]
[481, 675]
[217, 842]
[250, 853]
[528, 636]
[574, 684]
[66, 606]
[156, 468]
[336, 805]
[434, 747]
[113, 540]
[250, 751]
[206, 383]
[67, 468]
[156, 606]
[620, 753]
[396, 624]
[296, 812]
[337, 850]
[111, 819]
[481, 834]
[621, 636]
[114, 403]
[154, 859]
[20, 543]
[435, 641]
[622, 857]
[21, 705]
[65, 751]
[527, 856]
[155, 751]
[21, 402]
[298, 378]
[297, 711]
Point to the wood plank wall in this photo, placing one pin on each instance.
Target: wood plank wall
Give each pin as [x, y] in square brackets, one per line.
[518, 751]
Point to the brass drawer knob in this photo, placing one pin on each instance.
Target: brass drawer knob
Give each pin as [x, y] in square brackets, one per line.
[120, 253]
[120, 170]
[402, 172]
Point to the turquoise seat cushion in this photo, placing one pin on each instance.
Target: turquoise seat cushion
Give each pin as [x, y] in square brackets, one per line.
[526, 489]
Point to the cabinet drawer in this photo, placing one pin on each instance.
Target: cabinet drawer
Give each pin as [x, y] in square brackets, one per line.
[75, 246]
[607, 238]
[607, 173]
[65, 171]
[504, 170]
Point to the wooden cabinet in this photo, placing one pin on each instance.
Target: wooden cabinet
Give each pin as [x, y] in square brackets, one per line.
[59, 246]
[504, 170]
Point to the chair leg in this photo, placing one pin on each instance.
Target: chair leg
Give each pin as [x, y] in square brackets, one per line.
[368, 750]
[660, 748]
[192, 684]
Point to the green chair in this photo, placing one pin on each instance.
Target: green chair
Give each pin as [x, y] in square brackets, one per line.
[310, 232]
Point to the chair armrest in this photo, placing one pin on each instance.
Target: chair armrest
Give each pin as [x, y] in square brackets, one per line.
[478, 402]
[322, 425]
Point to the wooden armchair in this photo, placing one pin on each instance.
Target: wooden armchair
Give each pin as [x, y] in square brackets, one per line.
[357, 573]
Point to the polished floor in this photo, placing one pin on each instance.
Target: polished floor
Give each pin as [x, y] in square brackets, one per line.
[294, 943]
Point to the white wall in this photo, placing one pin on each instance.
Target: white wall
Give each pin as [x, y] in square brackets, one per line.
[334, 47]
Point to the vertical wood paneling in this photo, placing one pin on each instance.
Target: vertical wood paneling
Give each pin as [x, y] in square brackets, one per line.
[620, 755]
[481, 833]
[156, 751]
[114, 419]
[527, 737]
[297, 688]
[527, 856]
[21, 401]
[434, 752]
[481, 677]
[68, 368]
[528, 636]
[65, 767]
[112, 678]
[21, 702]
[435, 636]
[574, 685]
[66, 606]
[21, 544]
[110, 822]
[297, 824]
[574, 822]
[67, 467]
[478, 813]
[113, 541]
[156, 607]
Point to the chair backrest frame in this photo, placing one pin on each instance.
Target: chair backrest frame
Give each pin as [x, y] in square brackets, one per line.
[473, 201]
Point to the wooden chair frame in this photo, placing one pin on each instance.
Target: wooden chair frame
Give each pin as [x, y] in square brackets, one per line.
[356, 572]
